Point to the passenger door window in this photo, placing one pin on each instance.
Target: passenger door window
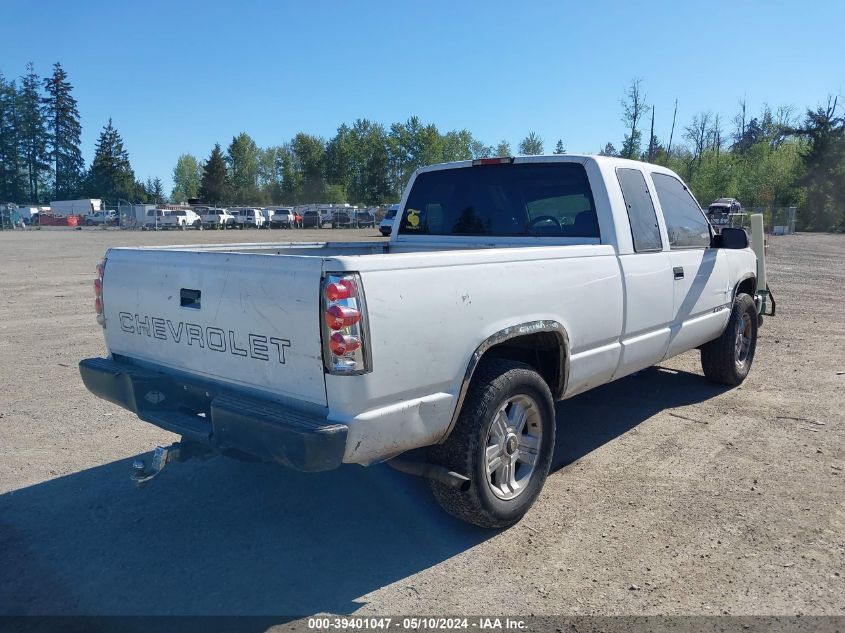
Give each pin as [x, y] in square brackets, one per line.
[685, 223]
[641, 214]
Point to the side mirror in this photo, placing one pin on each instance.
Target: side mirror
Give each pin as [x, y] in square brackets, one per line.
[731, 238]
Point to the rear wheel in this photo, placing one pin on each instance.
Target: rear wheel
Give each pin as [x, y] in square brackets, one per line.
[727, 359]
[503, 441]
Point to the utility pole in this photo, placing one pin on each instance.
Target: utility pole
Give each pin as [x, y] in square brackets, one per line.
[651, 138]
[672, 133]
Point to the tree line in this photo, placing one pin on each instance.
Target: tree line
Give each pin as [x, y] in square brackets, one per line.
[775, 158]
[772, 158]
[40, 154]
[364, 162]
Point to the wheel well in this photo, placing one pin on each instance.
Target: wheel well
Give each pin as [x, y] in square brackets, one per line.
[747, 286]
[544, 351]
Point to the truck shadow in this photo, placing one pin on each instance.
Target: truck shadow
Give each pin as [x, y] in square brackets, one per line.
[224, 537]
[593, 418]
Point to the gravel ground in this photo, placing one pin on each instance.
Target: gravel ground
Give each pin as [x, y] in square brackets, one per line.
[669, 496]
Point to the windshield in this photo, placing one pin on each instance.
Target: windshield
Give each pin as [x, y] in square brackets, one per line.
[522, 200]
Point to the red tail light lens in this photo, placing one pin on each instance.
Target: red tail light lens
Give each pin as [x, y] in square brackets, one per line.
[98, 293]
[341, 344]
[339, 290]
[345, 329]
[338, 317]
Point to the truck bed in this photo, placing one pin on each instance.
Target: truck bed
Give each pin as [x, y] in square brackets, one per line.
[376, 247]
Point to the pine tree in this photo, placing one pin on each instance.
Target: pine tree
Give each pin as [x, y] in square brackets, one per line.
[559, 148]
[155, 190]
[11, 187]
[824, 168]
[531, 145]
[64, 135]
[32, 132]
[111, 176]
[215, 187]
[609, 150]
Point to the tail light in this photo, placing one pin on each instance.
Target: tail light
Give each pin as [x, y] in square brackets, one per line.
[98, 293]
[345, 327]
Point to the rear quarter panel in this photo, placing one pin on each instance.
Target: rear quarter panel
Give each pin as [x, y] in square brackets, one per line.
[428, 313]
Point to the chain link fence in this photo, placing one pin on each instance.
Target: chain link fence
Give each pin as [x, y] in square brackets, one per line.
[776, 220]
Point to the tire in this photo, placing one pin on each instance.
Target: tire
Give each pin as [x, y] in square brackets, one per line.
[727, 359]
[509, 387]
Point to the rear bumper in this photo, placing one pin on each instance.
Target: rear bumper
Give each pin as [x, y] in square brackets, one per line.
[226, 421]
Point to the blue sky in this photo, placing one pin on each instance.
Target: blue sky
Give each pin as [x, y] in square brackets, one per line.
[179, 76]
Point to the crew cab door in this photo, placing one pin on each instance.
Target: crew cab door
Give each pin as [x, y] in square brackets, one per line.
[649, 300]
[700, 274]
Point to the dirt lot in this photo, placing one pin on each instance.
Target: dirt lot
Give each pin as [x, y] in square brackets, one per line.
[669, 496]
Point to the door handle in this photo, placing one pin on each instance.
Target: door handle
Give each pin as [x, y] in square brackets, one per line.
[679, 272]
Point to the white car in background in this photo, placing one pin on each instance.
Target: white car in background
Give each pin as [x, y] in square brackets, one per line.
[279, 217]
[386, 224]
[101, 217]
[172, 219]
[250, 218]
[218, 219]
[180, 219]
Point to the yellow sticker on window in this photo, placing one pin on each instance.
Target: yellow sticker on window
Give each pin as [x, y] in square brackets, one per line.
[412, 220]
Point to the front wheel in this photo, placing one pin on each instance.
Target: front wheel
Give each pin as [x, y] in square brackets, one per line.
[503, 441]
[727, 359]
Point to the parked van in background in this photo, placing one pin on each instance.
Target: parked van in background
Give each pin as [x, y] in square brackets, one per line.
[249, 218]
[386, 225]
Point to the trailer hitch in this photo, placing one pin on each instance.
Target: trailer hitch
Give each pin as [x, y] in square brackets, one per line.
[162, 456]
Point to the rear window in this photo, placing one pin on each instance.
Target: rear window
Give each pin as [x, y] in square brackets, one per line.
[522, 200]
[641, 214]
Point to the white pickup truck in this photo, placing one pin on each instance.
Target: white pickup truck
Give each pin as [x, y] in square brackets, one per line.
[507, 284]
[217, 219]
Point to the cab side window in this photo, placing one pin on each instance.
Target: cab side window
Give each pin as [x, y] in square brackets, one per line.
[641, 214]
[685, 222]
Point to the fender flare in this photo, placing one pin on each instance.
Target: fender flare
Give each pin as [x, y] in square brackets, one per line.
[739, 281]
[502, 336]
